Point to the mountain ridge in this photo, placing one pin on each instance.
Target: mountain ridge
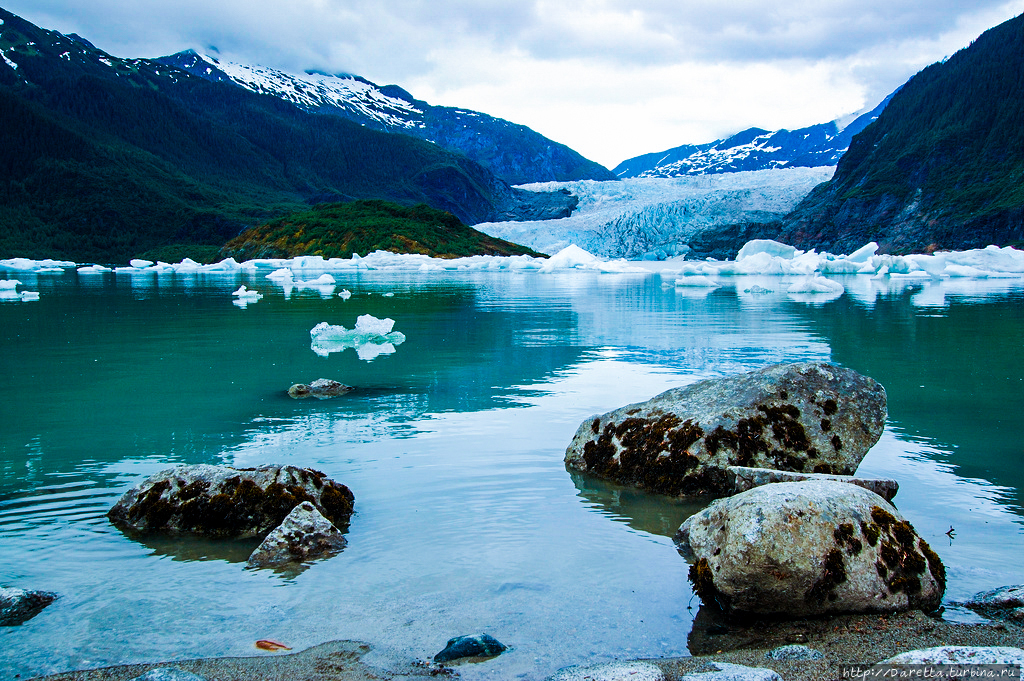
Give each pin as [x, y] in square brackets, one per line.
[514, 152]
[106, 158]
[941, 168]
[753, 149]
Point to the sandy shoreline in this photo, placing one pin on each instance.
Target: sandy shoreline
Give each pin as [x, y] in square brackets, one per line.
[849, 639]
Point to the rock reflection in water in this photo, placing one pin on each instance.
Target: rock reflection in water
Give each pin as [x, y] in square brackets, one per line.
[644, 511]
[190, 547]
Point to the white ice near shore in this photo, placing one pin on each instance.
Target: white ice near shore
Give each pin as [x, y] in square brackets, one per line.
[759, 257]
[370, 338]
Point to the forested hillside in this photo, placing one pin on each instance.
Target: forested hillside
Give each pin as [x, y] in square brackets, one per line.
[942, 167]
[105, 159]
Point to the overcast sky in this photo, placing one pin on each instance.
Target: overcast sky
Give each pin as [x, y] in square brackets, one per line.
[610, 78]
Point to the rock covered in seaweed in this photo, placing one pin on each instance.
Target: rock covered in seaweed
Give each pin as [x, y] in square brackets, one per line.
[305, 534]
[321, 388]
[220, 501]
[19, 605]
[809, 548]
[810, 417]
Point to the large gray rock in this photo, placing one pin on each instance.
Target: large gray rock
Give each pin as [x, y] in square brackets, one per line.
[305, 534]
[474, 645]
[809, 417]
[745, 478]
[219, 501]
[19, 605]
[809, 548]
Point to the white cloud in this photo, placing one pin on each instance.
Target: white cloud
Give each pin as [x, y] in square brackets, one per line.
[610, 78]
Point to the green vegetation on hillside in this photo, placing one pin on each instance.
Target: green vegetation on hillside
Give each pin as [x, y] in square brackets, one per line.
[105, 159]
[942, 167]
[337, 230]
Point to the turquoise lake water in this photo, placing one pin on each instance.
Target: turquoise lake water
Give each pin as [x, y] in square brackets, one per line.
[466, 518]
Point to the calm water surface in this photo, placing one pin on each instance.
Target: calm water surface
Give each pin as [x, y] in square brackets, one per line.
[466, 519]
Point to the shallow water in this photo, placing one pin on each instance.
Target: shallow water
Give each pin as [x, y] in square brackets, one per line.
[466, 519]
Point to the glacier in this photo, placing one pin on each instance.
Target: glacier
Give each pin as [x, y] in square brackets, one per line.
[656, 217]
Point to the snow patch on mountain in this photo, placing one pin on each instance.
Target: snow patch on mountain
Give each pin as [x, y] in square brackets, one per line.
[658, 216]
[314, 90]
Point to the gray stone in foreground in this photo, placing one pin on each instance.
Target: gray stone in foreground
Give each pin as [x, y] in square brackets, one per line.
[794, 652]
[809, 548]
[305, 534]
[19, 605]
[476, 645]
[169, 674]
[733, 672]
[611, 671]
[220, 501]
[961, 655]
[745, 478]
[809, 417]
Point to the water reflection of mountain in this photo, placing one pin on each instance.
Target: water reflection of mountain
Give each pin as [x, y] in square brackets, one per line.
[653, 513]
[952, 372]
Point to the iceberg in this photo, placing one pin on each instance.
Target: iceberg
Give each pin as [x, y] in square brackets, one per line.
[8, 284]
[697, 281]
[242, 293]
[370, 338]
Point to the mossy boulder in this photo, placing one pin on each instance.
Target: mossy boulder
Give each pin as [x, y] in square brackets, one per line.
[304, 535]
[810, 417]
[222, 502]
[809, 548]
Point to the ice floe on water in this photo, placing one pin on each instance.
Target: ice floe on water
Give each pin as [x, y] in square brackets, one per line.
[370, 338]
[9, 292]
[759, 257]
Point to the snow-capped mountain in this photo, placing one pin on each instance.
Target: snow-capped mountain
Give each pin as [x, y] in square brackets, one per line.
[513, 152]
[661, 217]
[753, 149]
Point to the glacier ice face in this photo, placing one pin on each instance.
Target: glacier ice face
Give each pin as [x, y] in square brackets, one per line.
[638, 216]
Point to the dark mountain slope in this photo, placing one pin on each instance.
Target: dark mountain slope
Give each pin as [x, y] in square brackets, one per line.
[106, 158]
[513, 152]
[942, 167]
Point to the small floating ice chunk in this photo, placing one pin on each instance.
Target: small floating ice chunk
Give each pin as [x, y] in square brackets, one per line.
[138, 263]
[375, 335]
[697, 281]
[389, 294]
[816, 284]
[246, 294]
[30, 295]
[9, 284]
[345, 294]
[93, 269]
[768, 247]
[282, 274]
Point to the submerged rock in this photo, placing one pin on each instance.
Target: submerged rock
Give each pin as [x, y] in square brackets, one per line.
[18, 605]
[745, 478]
[477, 645]
[809, 548]
[220, 501]
[304, 535]
[810, 417]
[321, 388]
[1006, 602]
